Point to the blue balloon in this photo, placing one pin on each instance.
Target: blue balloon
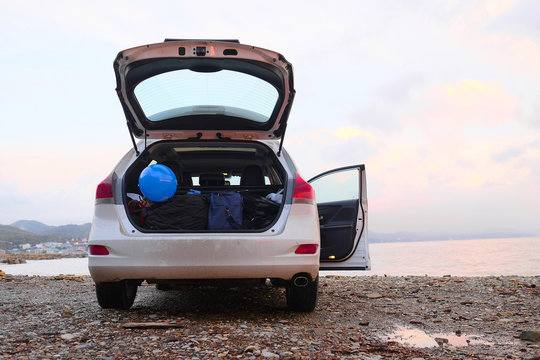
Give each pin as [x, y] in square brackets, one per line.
[157, 182]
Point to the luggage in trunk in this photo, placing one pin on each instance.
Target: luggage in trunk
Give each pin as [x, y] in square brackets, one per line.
[181, 212]
[259, 212]
[225, 210]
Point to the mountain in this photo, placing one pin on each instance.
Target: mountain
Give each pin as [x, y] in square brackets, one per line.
[32, 226]
[12, 237]
[71, 230]
[33, 232]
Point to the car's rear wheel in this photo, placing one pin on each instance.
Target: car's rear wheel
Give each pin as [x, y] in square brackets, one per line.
[116, 295]
[302, 298]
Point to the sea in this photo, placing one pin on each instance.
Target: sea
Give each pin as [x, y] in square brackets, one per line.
[477, 257]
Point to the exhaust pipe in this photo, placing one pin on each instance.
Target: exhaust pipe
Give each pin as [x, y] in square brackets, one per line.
[300, 281]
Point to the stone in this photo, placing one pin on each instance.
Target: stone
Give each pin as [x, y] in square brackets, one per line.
[250, 348]
[441, 341]
[269, 355]
[533, 336]
[67, 336]
[374, 295]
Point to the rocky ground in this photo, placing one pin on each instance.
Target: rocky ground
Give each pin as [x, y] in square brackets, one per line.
[358, 317]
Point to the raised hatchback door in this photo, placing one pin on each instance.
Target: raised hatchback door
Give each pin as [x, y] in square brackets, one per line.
[342, 203]
[204, 89]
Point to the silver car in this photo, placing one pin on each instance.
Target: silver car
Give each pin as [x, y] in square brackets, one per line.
[214, 113]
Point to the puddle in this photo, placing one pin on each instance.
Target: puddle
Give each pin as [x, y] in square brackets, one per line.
[418, 338]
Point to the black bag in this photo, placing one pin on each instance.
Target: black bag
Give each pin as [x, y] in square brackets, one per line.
[225, 210]
[181, 212]
[259, 212]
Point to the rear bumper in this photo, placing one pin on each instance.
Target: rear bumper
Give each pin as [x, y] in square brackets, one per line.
[200, 259]
[203, 256]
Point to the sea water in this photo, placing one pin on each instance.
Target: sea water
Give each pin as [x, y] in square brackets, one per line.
[478, 257]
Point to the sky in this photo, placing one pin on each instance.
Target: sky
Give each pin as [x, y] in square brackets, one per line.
[439, 99]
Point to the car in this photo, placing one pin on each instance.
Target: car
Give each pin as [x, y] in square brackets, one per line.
[213, 115]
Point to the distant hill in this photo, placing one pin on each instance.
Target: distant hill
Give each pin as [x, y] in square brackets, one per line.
[28, 232]
[403, 236]
[71, 230]
[11, 237]
[32, 226]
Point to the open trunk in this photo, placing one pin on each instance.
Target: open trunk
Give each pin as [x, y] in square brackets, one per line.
[206, 169]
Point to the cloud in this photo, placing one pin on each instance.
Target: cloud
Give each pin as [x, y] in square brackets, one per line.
[507, 154]
[518, 53]
[349, 132]
[57, 206]
[454, 105]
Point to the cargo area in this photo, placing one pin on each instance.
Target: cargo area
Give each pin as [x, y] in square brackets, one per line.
[243, 180]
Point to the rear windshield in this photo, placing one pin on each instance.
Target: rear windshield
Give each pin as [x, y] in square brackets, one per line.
[225, 92]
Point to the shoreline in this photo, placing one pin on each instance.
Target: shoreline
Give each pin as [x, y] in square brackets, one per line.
[22, 258]
[356, 317]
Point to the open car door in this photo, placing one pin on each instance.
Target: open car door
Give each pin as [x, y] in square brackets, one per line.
[342, 203]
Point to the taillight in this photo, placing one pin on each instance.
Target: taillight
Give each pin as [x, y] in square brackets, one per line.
[307, 249]
[303, 192]
[98, 250]
[104, 189]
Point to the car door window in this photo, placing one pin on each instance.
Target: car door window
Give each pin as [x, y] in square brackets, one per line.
[338, 186]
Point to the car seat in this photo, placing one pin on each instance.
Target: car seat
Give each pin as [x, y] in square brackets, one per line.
[252, 176]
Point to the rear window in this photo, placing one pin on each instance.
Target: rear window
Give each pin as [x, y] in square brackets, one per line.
[225, 92]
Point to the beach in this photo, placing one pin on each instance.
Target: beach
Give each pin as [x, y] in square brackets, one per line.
[370, 317]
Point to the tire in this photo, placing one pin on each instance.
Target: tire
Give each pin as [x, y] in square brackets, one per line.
[116, 295]
[304, 298]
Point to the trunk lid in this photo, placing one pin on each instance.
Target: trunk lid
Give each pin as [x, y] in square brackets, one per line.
[204, 89]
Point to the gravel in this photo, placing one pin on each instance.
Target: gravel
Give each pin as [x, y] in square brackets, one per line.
[356, 317]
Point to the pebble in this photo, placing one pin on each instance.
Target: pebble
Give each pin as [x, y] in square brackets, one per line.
[533, 336]
[374, 295]
[250, 348]
[269, 355]
[68, 336]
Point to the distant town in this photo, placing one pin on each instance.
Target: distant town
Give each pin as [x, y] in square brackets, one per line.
[73, 247]
[28, 239]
